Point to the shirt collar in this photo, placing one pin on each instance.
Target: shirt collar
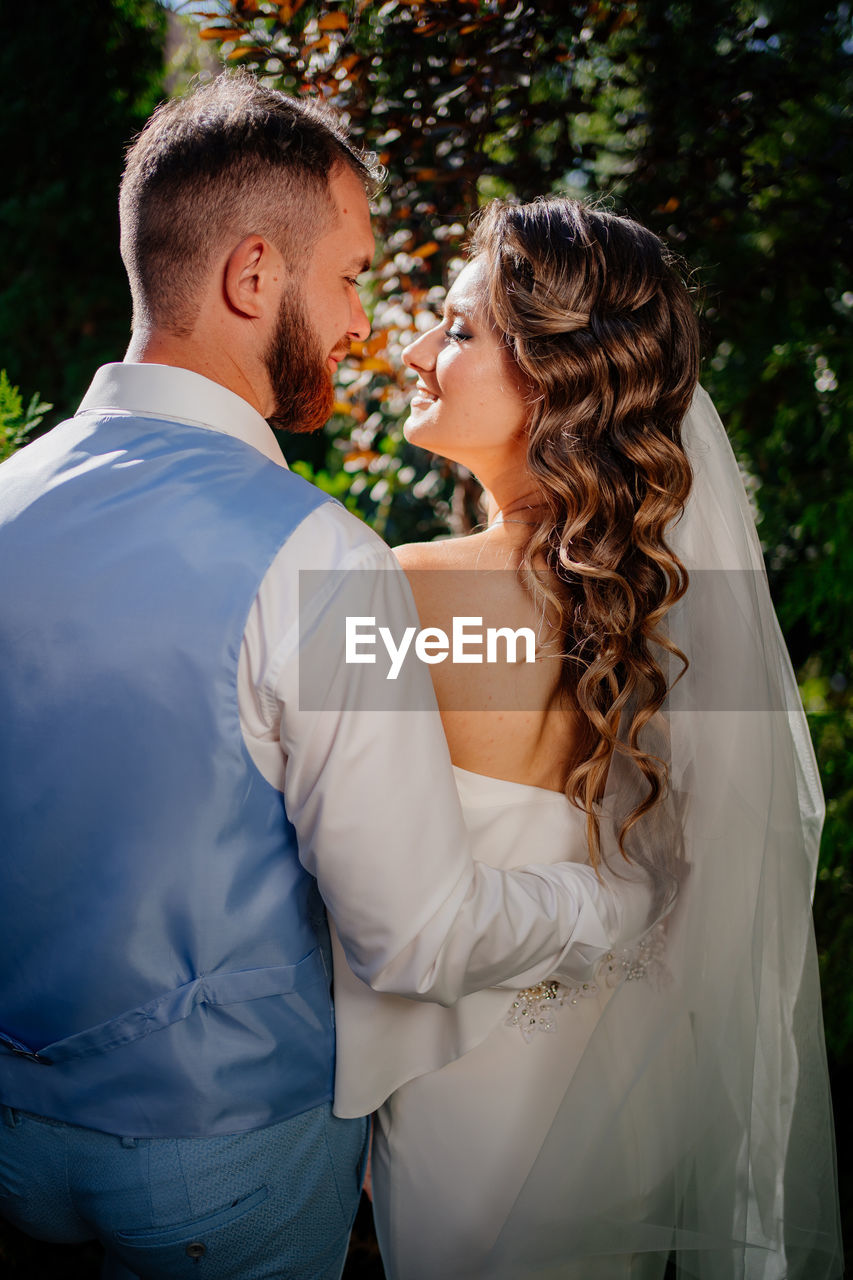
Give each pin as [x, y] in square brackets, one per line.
[180, 395]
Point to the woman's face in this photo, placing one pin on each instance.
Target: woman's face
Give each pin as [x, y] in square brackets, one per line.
[467, 404]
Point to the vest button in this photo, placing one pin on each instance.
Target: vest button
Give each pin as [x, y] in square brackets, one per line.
[196, 1250]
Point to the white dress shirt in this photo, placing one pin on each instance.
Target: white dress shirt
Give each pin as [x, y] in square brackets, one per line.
[371, 793]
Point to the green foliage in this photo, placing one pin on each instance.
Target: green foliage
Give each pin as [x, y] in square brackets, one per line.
[17, 422]
[90, 76]
[750, 178]
[832, 731]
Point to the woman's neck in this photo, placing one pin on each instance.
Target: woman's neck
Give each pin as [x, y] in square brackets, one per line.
[516, 505]
[510, 492]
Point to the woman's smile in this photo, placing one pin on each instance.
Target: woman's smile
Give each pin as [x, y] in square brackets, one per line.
[466, 404]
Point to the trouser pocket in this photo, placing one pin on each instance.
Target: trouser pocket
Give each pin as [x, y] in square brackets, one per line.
[206, 1247]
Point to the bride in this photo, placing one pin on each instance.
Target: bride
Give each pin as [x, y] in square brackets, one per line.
[672, 1102]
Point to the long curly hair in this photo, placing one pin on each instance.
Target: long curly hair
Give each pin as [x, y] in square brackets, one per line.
[598, 321]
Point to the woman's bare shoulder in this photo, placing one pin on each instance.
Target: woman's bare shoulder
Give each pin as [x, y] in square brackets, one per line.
[436, 572]
[474, 551]
[463, 576]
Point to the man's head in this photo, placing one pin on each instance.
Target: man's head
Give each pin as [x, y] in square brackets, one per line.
[319, 312]
[244, 222]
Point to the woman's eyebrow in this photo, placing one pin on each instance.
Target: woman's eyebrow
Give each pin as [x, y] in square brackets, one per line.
[461, 309]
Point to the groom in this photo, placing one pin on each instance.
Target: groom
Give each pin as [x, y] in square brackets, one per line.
[173, 820]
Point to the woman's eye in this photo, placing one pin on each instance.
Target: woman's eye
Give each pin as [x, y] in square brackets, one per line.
[458, 334]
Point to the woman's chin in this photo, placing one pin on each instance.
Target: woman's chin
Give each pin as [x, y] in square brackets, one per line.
[425, 434]
[417, 432]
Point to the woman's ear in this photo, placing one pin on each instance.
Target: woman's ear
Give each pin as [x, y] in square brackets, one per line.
[251, 282]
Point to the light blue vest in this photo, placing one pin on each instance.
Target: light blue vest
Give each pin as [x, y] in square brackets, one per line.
[163, 964]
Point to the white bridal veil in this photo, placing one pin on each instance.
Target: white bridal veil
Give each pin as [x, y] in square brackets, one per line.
[698, 1123]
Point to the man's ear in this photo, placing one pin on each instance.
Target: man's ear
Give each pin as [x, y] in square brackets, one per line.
[252, 275]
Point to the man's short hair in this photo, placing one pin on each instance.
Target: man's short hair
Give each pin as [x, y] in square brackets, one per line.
[230, 159]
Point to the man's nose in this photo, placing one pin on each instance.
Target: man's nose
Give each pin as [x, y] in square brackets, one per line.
[359, 325]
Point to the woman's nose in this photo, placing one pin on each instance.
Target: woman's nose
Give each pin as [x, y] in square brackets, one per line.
[420, 354]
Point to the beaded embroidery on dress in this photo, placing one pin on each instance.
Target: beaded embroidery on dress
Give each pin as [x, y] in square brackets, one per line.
[533, 1008]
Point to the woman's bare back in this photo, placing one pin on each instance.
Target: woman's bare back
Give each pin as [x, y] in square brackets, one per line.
[501, 718]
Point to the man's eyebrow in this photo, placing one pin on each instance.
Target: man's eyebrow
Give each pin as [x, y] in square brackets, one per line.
[359, 265]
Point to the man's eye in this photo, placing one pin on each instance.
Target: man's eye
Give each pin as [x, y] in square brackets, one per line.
[353, 280]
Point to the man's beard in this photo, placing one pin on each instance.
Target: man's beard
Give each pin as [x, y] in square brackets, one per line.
[298, 370]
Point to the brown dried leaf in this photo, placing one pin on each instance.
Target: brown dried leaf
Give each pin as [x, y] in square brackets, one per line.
[220, 33]
[336, 21]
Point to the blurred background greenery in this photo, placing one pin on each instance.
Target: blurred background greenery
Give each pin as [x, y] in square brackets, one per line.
[726, 127]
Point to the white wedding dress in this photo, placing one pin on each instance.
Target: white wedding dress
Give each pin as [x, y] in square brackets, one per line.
[453, 1148]
[454, 1145]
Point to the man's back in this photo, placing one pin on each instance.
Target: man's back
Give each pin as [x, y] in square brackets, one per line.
[134, 818]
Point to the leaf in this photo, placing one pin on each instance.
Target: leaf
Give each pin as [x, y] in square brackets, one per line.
[622, 20]
[376, 342]
[425, 250]
[374, 364]
[362, 456]
[220, 33]
[333, 22]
